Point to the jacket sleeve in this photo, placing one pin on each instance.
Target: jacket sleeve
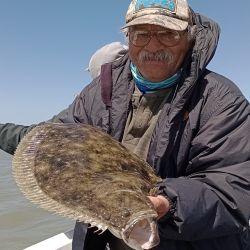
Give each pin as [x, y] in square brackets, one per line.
[213, 199]
[89, 107]
[11, 134]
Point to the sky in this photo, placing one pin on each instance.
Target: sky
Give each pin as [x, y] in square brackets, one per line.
[45, 45]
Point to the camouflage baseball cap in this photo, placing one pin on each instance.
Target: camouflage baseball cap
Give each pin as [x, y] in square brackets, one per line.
[171, 14]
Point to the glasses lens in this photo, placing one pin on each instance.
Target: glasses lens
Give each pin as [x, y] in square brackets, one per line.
[168, 37]
[139, 37]
[165, 37]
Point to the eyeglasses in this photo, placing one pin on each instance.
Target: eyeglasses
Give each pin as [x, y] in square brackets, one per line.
[141, 38]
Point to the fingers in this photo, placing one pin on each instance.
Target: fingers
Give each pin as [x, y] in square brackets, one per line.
[161, 205]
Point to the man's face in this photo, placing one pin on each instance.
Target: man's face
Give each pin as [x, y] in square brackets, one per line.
[162, 56]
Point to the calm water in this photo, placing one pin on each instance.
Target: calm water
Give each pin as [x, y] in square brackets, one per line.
[21, 223]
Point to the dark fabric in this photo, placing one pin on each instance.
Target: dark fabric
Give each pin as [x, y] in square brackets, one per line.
[79, 236]
[106, 84]
[94, 242]
[200, 148]
[10, 136]
[246, 239]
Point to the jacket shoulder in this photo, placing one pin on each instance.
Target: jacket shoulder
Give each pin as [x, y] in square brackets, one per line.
[220, 83]
[218, 91]
[215, 94]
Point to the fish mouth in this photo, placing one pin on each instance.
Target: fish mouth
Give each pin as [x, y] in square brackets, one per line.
[141, 232]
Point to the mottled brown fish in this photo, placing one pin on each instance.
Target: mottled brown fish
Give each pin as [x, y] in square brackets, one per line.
[78, 171]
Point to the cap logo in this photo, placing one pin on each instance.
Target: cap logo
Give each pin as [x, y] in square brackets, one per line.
[170, 5]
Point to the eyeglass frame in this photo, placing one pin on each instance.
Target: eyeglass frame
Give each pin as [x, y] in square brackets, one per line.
[154, 33]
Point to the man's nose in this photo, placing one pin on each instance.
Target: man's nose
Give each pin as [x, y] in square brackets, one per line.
[153, 44]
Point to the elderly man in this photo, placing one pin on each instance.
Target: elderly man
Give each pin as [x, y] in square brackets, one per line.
[189, 123]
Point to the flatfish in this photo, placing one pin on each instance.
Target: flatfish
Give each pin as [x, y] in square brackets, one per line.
[81, 172]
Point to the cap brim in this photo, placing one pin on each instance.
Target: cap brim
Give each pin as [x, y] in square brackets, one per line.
[164, 21]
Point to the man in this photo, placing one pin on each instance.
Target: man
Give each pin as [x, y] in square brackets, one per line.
[189, 123]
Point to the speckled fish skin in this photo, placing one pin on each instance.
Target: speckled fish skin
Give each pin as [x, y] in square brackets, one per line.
[80, 172]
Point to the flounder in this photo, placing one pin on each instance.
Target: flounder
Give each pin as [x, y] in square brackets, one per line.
[80, 172]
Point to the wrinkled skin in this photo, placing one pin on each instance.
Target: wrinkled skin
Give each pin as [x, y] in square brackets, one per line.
[154, 70]
[85, 174]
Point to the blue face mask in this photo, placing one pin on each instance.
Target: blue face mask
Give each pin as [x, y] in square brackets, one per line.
[146, 86]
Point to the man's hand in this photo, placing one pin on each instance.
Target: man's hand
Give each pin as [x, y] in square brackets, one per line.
[161, 205]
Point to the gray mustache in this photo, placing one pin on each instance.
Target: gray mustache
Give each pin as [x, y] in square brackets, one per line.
[160, 55]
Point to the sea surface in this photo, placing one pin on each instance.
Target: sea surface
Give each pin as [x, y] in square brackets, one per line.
[21, 223]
